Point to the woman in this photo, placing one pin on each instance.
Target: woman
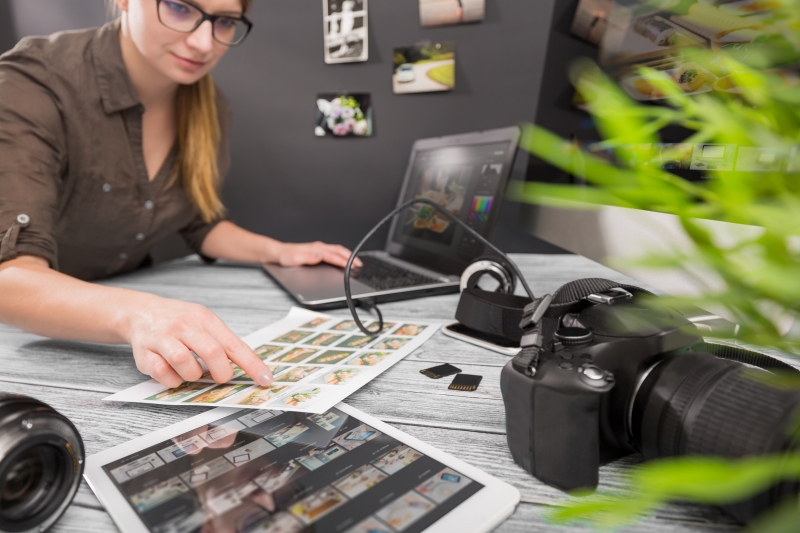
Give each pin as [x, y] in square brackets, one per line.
[111, 139]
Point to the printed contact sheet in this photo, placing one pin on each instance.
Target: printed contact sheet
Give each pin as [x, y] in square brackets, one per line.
[317, 360]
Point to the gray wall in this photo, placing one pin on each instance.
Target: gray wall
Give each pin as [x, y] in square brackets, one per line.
[289, 184]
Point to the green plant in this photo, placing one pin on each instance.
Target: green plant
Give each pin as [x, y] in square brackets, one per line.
[758, 274]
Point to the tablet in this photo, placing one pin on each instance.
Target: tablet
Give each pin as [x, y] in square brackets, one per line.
[341, 471]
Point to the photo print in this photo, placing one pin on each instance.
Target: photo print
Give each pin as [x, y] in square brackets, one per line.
[345, 29]
[446, 12]
[340, 115]
[424, 68]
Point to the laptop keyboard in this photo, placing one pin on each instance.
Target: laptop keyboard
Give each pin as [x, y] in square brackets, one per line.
[382, 275]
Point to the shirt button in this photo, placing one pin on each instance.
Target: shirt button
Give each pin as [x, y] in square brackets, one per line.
[109, 270]
[148, 204]
[23, 219]
[140, 236]
[123, 255]
[106, 187]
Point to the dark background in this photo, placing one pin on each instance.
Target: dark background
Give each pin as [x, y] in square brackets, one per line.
[293, 186]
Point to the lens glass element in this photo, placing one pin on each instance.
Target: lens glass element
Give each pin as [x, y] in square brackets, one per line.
[28, 485]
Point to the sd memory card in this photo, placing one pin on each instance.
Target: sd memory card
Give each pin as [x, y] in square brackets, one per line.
[440, 371]
[465, 382]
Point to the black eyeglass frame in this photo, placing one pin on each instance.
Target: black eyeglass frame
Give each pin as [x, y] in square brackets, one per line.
[213, 18]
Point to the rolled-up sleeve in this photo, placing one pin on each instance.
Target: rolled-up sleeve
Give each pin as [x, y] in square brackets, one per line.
[197, 230]
[32, 156]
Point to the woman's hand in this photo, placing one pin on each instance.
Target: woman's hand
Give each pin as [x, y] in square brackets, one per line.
[164, 332]
[312, 253]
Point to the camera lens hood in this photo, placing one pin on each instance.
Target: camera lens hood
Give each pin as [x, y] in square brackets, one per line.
[41, 463]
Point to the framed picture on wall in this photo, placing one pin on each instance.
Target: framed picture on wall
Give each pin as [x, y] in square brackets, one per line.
[424, 68]
[343, 115]
[345, 28]
[445, 12]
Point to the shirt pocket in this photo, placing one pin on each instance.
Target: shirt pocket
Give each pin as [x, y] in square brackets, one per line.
[101, 212]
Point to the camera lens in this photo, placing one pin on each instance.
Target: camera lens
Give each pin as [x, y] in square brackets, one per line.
[698, 404]
[41, 462]
[27, 485]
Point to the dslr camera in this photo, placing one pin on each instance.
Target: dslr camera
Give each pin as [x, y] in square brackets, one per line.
[604, 372]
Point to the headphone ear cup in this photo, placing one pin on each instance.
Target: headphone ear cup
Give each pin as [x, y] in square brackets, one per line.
[494, 267]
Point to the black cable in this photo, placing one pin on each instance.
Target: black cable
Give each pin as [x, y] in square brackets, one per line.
[440, 209]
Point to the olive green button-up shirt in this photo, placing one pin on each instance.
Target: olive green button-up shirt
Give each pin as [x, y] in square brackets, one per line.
[73, 183]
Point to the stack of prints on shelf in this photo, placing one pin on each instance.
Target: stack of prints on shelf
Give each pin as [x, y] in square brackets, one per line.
[317, 361]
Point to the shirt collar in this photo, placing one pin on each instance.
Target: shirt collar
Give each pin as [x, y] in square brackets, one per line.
[116, 89]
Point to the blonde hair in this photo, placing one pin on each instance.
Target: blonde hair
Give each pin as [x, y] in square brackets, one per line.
[198, 144]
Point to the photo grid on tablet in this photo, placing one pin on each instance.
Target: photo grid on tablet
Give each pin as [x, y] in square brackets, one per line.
[288, 472]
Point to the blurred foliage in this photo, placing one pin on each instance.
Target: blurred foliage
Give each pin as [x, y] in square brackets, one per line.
[758, 273]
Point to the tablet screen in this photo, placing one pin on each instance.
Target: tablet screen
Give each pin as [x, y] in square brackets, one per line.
[273, 471]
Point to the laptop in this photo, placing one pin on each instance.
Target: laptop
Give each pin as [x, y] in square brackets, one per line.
[425, 253]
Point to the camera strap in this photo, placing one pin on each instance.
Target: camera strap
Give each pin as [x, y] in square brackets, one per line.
[541, 318]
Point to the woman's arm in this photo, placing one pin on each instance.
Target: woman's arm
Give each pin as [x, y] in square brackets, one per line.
[162, 332]
[229, 241]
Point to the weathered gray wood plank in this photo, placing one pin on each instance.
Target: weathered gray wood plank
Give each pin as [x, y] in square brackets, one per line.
[74, 377]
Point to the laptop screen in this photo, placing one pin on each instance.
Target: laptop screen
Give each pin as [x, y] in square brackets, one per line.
[468, 181]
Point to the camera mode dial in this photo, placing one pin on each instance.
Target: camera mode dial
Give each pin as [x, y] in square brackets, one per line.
[574, 336]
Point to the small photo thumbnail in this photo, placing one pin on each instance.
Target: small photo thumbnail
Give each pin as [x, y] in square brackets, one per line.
[405, 510]
[158, 494]
[390, 343]
[356, 341]
[302, 397]
[261, 395]
[279, 475]
[318, 457]
[327, 421]
[368, 359]
[286, 435]
[360, 480]
[217, 394]
[337, 376]
[266, 350]
[340, 115]
[293, 336]
[370, 525]
[410, 330]
[317, 505]
[314, 323]
[330, 357]
[296, 355]
[397, 459]
[325, 339]
[424, 68]
[295, 374]
[180, 392]
[443, 485]
[354, 438]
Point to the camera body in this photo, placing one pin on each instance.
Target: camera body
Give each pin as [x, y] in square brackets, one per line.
[571, 416]
[615, 373]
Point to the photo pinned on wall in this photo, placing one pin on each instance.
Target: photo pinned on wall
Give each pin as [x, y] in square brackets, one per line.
[424, 68]
[340, 115]
[345, 28]
[447, 12]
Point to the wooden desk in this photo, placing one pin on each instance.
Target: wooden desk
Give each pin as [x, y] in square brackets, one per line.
[74, 378]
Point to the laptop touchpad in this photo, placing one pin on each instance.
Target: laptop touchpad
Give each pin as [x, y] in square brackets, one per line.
[317, 282]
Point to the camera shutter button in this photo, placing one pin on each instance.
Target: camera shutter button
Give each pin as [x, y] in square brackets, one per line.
[592, 372]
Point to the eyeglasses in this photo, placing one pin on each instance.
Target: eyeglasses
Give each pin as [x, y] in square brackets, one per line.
[185, 17]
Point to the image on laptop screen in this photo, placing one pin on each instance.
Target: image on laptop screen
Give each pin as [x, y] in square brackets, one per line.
[467, 181]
